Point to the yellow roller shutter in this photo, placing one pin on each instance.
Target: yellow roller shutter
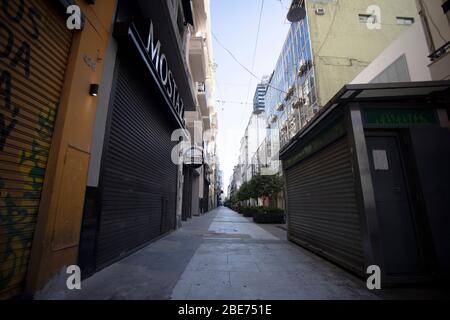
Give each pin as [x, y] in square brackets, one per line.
[34, 50]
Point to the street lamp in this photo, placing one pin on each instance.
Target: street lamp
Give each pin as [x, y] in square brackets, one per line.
[297, 11]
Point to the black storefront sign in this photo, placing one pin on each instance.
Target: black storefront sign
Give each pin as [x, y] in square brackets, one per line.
[142, 35]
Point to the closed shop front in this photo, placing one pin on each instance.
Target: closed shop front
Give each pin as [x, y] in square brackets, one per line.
[34, 51]
[187, 192]
[138, 182]
[367, 181]
[323, 206]
[136, 201]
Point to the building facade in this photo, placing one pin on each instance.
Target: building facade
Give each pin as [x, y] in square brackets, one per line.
[47, 119]
[435, 16]
[202, 122]
[259, 97]
[329, 48]
[361, 189]
[94, 158]
[405, 60]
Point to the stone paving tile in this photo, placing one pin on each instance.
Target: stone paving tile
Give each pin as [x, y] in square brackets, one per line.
[205, 278]
[218, 293]
[260, 266]
[222, 255]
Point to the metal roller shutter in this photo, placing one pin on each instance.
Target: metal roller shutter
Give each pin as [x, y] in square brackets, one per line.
[139, 180]
[34, 51]
[187, 194]
[205, 196]
[322, 205]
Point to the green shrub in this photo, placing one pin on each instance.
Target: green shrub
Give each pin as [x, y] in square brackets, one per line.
[269, 215]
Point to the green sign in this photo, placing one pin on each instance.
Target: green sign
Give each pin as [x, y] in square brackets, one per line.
[327, 136]
[398, 117]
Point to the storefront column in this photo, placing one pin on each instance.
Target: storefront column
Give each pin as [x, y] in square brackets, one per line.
[368, 214]
[56, 239]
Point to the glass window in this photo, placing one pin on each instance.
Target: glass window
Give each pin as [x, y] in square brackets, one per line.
[405, 20]
[367, 18]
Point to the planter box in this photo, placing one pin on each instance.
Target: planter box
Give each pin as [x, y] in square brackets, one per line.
[269, 217]
[250, 211]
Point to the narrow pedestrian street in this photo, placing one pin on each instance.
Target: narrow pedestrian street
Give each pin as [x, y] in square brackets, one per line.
[220, 255]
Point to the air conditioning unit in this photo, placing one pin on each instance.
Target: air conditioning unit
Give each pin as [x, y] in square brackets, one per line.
[320, 11]
[299, 103]
[274, 118]
[303, 66]
[280, 107]
[289, 93]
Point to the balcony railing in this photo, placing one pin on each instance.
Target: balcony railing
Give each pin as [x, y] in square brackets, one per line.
[440, 52]
[201, 87]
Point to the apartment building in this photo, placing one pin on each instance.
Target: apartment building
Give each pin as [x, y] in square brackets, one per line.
[327, 49]
[260, 94]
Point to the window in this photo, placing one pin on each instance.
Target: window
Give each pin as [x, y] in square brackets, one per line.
[367, 18]
[405, 20]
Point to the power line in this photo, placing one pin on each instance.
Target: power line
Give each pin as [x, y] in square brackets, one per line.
[256, 45]
[245, 68]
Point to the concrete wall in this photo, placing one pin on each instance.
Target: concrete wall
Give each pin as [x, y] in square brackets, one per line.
[413, 45]
[343, 46]
[437, 28]
[57, 234]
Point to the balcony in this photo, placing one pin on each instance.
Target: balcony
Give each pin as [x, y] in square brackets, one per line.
[206, 123]
[214, 124]
[202, 97]
[198, 58]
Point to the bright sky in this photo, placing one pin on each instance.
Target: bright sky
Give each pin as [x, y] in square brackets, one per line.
[235, 23]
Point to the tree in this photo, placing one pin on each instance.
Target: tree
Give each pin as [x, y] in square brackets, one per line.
[266, 186]
[243, 193]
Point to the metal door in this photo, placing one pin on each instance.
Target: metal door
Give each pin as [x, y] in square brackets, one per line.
[323, 213]
[34, 52]
[187, 194]
[397, 231]
[139, 179]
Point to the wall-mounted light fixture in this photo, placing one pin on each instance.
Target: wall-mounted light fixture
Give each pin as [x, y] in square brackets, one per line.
[93, 89]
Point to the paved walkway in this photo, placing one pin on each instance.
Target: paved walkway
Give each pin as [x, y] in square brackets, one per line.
[220, 255]
[238, 259]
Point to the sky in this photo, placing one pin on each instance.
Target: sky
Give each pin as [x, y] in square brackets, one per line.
[235, 24]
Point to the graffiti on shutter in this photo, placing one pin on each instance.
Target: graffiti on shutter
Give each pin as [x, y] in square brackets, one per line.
[33, 57]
